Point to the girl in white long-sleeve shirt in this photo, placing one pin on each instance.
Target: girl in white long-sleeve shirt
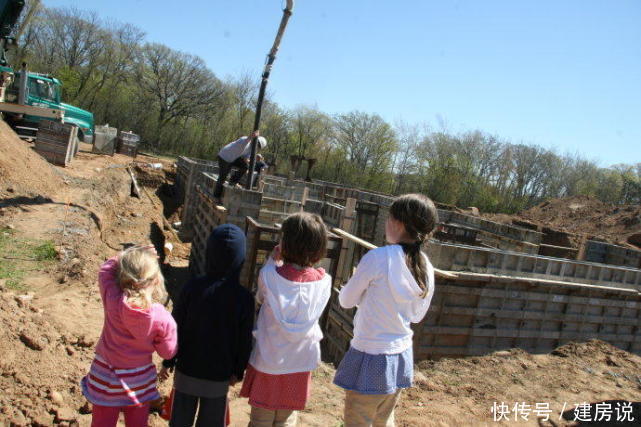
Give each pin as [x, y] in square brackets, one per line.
[294, 295]
[392, 287]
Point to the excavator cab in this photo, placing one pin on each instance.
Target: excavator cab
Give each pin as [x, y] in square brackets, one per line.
[10, 11]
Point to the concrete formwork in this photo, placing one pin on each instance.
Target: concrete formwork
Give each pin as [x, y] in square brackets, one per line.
[188, 176]
[477, 313]
[454, 257]
[496, 298]
[283, 192]
[510, 231]
[261, 240]
[208, 215]
[611, 254]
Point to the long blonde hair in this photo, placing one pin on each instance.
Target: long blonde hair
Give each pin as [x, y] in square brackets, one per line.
[140, 277]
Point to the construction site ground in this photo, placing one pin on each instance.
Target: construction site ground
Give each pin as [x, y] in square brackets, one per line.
[57, 225]
[582, 216]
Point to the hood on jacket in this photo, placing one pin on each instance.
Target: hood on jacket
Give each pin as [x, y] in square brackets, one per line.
[225, 252]
[296, 305]
[137, 321]
[405, 290]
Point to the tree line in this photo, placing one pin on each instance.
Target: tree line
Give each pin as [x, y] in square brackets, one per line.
[181, 107]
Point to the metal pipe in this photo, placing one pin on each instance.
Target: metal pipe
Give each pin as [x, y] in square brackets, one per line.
[22, 88]
[271, 57]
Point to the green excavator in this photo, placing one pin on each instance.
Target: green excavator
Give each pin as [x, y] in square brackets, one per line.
[26, 98]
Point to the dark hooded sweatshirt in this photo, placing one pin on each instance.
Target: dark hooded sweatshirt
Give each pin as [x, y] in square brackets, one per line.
[215, 314]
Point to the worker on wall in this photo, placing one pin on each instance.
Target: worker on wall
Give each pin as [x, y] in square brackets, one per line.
[235, 155]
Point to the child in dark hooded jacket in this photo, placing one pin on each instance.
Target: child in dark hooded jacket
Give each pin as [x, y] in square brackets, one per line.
[215, 316]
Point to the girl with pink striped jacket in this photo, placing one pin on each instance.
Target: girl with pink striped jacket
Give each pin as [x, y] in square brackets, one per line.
[122, 376]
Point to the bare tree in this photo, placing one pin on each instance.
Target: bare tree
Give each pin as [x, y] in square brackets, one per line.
[180, 84]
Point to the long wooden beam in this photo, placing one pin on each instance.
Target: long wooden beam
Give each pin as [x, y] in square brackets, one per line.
[368, 245]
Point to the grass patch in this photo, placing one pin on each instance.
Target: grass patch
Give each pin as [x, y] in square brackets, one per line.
[19, 256]
[45, 251]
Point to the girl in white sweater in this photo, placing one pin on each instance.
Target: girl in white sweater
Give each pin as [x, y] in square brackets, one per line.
[293, 294]
[392, 287]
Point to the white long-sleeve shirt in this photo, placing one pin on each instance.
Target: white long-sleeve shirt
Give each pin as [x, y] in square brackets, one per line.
[287, 331]
[388, 299]
[235, 149]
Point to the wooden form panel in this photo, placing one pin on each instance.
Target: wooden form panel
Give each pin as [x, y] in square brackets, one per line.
[477, 315]
[485, 260]
[207, 216]
[261, 240]
[56, 142]
[200, 174]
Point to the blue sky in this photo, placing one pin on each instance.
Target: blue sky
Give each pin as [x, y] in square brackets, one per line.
[561, 74]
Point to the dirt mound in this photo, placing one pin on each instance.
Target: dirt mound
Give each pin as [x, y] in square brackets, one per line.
[582, 215]
[22, 170]
[463, 391]
[50, 312]
[37, 386]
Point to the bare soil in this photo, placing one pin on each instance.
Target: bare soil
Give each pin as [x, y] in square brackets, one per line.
[49, 324]
[584, 216]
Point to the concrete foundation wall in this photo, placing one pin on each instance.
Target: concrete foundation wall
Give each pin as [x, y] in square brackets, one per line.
[453, 257]
[189, 175]
[488, 308]
[499, 298]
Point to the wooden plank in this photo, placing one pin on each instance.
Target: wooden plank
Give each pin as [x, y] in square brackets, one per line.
[538, 315]
[369, 246]
[515, 333]
[538, 296]
[471, 276]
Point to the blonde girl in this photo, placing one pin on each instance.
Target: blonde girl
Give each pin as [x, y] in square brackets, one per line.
[122, 377]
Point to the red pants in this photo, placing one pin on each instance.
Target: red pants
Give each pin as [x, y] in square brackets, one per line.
[107, 416]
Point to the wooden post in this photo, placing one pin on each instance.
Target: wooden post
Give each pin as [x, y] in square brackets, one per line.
[135, 190]
[346, 224]
[304, 198]
[580, 255]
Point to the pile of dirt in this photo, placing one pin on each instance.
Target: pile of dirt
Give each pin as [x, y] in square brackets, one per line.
[458, 391]
[39, 366]
[585, 216]
[22, 170]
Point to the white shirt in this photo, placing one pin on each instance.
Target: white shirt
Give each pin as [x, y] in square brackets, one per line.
[235, 149]
[287, 331]
[388, 299]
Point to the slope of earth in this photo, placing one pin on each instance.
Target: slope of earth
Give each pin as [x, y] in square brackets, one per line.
[51, 316]
[50, 311]
[585, 216]
[20, 170]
